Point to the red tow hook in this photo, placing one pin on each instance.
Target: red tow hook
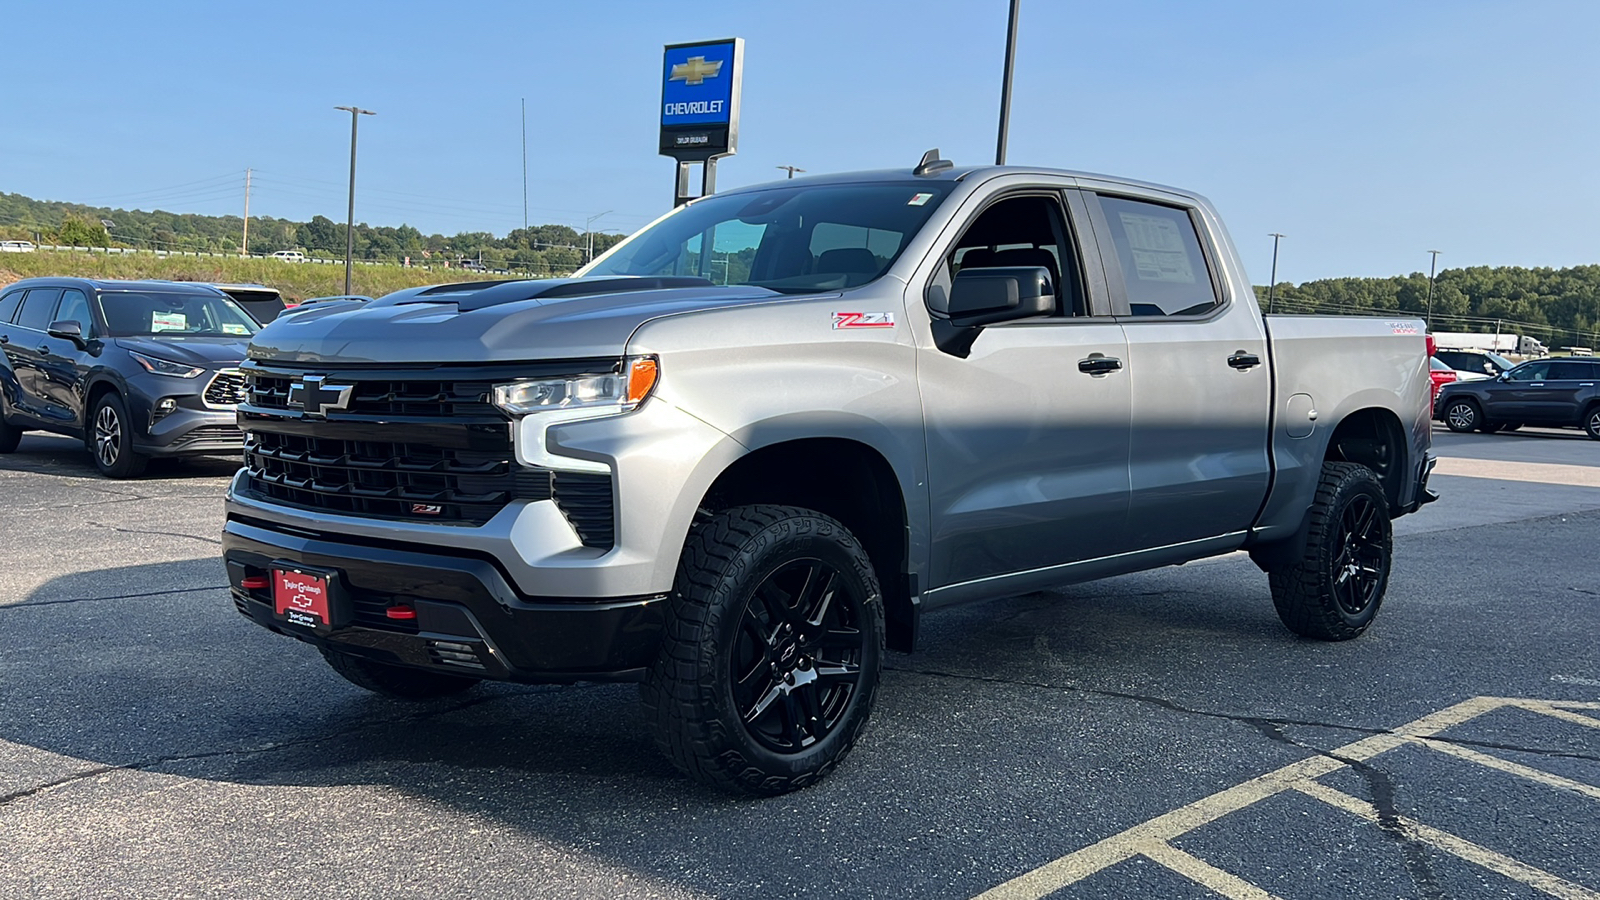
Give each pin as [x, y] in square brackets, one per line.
[254, 582]
[400, 612]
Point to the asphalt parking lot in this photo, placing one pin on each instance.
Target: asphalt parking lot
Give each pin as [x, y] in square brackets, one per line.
[1155, 735]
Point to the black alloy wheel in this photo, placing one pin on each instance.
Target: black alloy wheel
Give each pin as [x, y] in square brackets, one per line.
[771, 652]
[1461, 415]
[1359, 555]
[110, 440]
[796, 663]
[1334, 590]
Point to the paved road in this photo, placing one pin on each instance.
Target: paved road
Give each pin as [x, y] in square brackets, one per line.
[1152, 735]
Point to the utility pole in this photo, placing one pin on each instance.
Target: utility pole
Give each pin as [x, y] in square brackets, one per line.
[1005, 84]
[586, 223]
[356, 113]
[1432, 268]
[1272, 286]
[244, 245]
[790, 169]
[524, 166]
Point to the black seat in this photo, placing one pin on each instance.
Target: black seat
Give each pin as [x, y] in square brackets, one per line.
[848, 261]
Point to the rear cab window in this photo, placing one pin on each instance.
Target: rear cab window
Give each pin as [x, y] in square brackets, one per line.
[1162, 261]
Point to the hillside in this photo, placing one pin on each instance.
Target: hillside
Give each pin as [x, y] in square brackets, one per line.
[539, 249]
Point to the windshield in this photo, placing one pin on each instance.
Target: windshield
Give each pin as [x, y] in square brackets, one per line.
[155, 313]
[796, 239]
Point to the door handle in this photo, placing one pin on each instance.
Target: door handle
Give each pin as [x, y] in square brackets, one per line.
[1099, 365]
[1241, 360]
[44, 349]
[5, 338]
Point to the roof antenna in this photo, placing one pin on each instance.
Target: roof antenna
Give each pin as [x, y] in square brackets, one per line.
[931, 163]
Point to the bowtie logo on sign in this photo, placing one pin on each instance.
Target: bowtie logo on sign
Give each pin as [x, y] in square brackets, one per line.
[695, 70]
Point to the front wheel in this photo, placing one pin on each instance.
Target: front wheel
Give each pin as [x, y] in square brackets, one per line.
[1461, 415]
[111, 439]
[770, 657]
[1333, 592]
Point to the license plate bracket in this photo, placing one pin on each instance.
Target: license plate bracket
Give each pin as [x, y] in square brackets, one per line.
[307, 596]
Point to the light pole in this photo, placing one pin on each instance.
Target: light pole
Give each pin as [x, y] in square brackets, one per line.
[586, 223]
[1432, 268]
[1005, 84]
[356, 113]
[1272, 286]
[790, 169]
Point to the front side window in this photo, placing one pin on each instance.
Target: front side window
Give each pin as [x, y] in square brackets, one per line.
[74, 308]
[1027, 231]
[38, 307]
[1534, 371]
[156, 313]
[1163, 268]
[789, 239]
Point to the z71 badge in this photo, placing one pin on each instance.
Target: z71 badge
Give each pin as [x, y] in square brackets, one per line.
[863, 320]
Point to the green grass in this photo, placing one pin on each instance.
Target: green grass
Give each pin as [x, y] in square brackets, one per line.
[297, 281]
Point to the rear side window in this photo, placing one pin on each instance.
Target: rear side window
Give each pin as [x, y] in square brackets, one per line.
[1566, 370]
[8, 305]
[38, 308]
[1158, 249]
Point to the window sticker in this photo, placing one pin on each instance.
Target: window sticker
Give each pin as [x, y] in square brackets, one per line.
[168, 321]
[234, 328]
[919, 199]
[1157, 247]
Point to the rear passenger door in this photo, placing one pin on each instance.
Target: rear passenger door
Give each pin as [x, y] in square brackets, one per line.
[1198, 367]
[26, 347]
[1568, 381]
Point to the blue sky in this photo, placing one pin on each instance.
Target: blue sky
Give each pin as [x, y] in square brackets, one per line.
[1367, 132]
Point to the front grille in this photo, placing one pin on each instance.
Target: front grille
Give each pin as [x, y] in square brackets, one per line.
[389, 397]
[389, 479]
[423, 446]
[227, 388]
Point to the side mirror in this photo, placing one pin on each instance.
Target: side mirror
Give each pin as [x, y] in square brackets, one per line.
[981, 297]
[68, 330]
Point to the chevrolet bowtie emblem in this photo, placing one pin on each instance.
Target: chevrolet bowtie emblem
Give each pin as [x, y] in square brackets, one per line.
[695, 70]
[315, 398]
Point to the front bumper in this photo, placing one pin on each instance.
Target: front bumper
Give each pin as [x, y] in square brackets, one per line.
[193, 426]
[470, 620]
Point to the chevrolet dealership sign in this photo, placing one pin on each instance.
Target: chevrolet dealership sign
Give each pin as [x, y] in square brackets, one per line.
[700, 99]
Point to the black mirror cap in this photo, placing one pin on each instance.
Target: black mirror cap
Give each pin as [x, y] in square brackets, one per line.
[67, 330]
[1001, 294]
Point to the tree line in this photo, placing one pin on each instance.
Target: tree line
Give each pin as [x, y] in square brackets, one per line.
[1559, 306]
[539, 248]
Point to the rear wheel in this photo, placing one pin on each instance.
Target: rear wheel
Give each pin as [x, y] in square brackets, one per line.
[1461, 415]
[1591, 422]
[399, 682]
[1333, 592]
[770, 658]
[111, 439]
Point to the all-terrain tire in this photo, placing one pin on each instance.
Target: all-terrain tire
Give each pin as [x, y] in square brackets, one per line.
[110, 439]
[399, 682]
[771, 653]
[1333, 592]
[1462, 415]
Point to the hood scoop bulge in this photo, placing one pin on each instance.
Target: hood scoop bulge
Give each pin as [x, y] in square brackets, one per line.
[475, 295]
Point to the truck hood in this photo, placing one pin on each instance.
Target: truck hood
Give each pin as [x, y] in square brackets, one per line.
[211, 352]
[491, 321]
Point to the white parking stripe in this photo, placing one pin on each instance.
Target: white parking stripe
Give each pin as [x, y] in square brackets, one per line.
[1538, 879]
[1151, 839]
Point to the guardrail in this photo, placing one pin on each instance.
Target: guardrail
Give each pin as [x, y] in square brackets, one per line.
[425, 266]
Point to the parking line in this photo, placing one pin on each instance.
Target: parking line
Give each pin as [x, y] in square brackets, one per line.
[1538, 879]
[1511, 768]
[1203, 873]
[1149, 838]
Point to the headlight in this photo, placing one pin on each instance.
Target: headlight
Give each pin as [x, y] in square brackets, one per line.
[611, 392]
[163, 367]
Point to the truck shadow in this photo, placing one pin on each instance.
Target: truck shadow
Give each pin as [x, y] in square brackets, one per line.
[178, 683]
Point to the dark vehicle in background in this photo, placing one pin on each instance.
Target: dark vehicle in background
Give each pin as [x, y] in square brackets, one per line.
[1477, 362]
[1559, 393]
[1442, 374]
[134, 369]
[262, 303]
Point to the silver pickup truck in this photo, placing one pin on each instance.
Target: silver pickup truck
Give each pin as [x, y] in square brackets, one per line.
[743, 452]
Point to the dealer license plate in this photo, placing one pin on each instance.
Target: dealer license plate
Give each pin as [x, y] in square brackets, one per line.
[300, 597]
